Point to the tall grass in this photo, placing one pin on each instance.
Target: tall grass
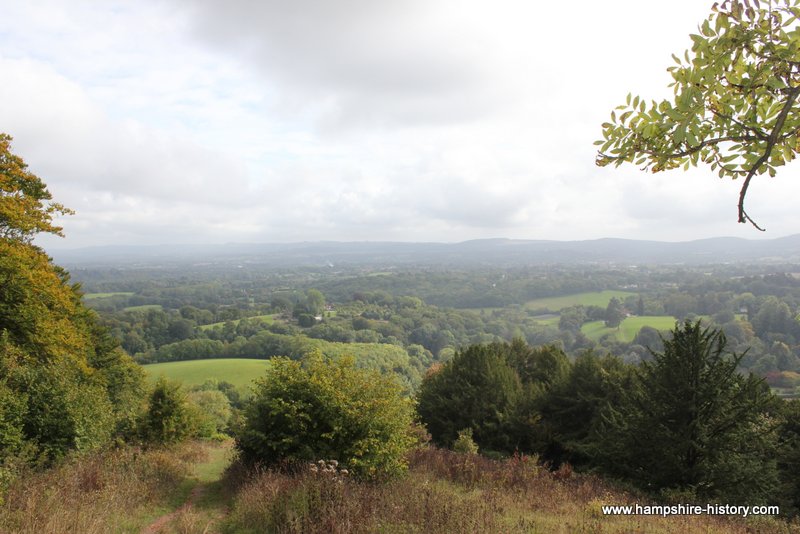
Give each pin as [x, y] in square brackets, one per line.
[448, 492]
[111, 491]
[444, 492]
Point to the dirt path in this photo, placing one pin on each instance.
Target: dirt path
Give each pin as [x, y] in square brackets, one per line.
[208, 475]
[158, 525]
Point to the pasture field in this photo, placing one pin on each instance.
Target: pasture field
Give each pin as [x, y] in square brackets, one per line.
[143, 307]
[592, 298]
[238, 371]
[548, 320]
[628, 328]
[93, 296]
[268, 319]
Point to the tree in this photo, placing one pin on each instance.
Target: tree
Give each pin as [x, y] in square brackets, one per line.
[571, 409]
[73, 388]
[789, 456]
[168, 418]
[542, 366]
[320, 409]
[614, 313]
[735, 106]
[477, 389]
[774, 316]
[213, 411]
[692, 422]
[25, 207]
[315, 302]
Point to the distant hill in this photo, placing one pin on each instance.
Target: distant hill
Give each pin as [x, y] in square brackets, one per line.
[494, 252]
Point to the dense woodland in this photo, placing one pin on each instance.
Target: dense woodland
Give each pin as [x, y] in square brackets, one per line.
[408, 319]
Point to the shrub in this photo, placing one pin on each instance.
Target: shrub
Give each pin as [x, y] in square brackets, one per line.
[464, 443]
[213, 412]
[320, 408]
[169, 417]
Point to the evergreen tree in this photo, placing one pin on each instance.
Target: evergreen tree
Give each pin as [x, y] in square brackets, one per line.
[789, 457]
[476, 389]
[571, 409]
[614, 313]
[691, 422]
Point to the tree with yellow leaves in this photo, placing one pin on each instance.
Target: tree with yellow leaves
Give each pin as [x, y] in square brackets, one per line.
[64, 384]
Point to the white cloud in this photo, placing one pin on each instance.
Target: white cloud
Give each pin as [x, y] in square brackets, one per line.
[178, 121]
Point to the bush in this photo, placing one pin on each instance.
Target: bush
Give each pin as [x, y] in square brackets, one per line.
[320, 408]
[464, 443]
[213, 412]
[169, 417]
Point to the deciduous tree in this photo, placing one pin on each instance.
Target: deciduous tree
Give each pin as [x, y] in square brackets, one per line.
[72, 387]
[323, 409]
[25, 203]
[735, 104]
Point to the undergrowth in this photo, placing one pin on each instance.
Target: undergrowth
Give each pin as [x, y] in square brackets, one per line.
[449, 492]
[111, 491]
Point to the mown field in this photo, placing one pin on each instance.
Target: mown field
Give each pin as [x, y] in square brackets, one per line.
[144, 307]
[548, 319]
[94, 296]
[238, 371]
[628, 328]
[593, 298]
[268, 319]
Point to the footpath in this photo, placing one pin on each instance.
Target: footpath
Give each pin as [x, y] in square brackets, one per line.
[206, 504]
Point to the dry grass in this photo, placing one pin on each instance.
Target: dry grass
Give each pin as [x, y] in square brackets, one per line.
[124, 490]
[448, 492]
[112, 491]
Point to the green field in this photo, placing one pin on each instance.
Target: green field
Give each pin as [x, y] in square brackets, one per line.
[628, 328]
[593, 298]
[238, 371]
[548, 320]
[92, 296]
[143, 307]
[269, 319]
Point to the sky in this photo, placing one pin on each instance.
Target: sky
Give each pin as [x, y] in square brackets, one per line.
[197, 121]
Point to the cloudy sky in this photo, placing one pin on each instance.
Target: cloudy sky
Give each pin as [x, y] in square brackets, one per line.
[188, 121]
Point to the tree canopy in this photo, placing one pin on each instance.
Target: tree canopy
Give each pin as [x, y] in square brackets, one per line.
[320, 409]
[735, 100]
[64, 382]
[25, 207]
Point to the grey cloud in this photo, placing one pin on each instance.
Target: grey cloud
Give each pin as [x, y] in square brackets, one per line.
[68, 140]
[377, 64]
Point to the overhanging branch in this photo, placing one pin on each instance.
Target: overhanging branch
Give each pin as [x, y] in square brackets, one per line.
[773, 138]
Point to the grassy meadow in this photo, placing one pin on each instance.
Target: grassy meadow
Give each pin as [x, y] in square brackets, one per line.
[95, 296]
[144, 307]
[629, 327]
[238, 371]
[548, 320]
[267, 319]
[592, 298]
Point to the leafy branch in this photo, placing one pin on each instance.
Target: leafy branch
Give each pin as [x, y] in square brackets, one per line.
[734, 105]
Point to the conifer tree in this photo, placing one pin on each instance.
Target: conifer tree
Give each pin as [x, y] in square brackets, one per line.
[691, 422]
